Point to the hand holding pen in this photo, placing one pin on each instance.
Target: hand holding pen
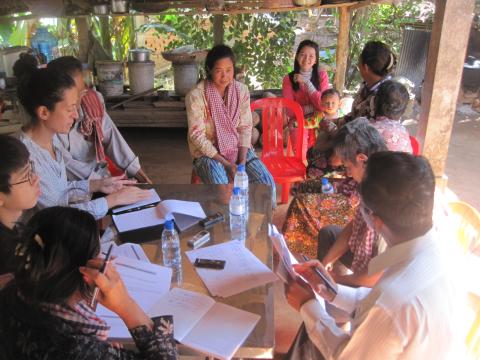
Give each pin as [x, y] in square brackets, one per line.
[318, 278]
[111, 292]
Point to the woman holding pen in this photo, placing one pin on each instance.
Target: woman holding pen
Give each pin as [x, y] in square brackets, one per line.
[45, 312]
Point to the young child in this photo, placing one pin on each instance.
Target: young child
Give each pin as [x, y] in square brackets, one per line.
[331, 117]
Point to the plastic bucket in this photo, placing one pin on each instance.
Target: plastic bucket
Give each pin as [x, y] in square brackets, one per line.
[110, 77]
[185, 76]
[141, 76]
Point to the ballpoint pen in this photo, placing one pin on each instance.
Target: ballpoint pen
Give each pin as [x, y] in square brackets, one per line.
[96, 290]
[135, 209]
[326, 280]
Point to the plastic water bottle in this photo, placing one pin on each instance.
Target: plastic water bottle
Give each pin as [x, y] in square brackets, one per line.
[327, 188]
[241, 181]
[171, 251]
[237, 216]
[45, 43]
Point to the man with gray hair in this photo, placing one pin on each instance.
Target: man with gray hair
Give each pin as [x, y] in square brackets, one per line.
[351, 248]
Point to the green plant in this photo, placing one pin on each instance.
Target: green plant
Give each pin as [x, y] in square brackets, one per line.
[261, 42]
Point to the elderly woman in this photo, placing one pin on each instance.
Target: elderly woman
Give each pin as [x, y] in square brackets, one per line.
[220, 124]
[45, 313]
[310, 214]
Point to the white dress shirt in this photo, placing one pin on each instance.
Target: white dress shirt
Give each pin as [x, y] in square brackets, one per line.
[411, 313]
[79, 154]
[54, 187]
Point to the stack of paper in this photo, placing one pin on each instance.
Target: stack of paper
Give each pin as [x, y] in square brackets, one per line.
[199, 322]
[243, 271]
[129, 250]
[145, 282]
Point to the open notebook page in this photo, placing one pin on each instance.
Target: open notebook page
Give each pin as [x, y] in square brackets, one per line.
[221, 331]
[243, 271]
[154, 198]
[187, 308]
[145, 282]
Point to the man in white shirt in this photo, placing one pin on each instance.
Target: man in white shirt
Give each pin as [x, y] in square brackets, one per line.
[412, 311]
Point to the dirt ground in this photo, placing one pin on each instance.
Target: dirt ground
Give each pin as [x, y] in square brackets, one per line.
[165, 157]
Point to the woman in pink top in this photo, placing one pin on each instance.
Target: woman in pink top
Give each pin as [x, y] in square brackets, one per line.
[305, 85]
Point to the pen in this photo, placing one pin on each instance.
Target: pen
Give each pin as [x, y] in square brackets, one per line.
[322, 276]
[135, 209]
[93, 301]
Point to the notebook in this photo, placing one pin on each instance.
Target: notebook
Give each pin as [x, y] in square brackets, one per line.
[145, 282]
[146, 223]
[201, 323]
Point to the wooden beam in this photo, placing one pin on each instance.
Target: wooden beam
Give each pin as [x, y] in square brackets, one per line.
[446, 55]
[342, 49]
[83, 39]
[218, 29]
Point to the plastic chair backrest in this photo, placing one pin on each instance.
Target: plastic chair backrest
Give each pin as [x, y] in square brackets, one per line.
[275, 112]
[468, 225]
[415, 145]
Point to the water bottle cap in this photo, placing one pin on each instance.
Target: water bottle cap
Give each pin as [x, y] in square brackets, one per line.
[169, 225]
[241, 167]
[325, 181]
[236, 191]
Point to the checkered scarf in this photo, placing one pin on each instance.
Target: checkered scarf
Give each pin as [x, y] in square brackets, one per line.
[80, 316]
[91, 125]
[361, 242]
[225, 118]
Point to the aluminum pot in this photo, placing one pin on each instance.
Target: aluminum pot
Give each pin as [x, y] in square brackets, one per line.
[119, 6]
[100, 9]
[139, 55]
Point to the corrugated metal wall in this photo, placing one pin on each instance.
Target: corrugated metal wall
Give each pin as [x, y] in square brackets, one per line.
[413, 55]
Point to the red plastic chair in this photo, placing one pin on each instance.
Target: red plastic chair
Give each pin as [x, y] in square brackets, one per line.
[285, 167]
[112, 168]
[415, 145]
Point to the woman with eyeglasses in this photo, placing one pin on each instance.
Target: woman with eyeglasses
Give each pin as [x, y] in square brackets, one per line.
[19, 191]
[50, 98]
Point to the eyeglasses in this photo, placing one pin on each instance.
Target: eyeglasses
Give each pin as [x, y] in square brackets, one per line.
[30, 175]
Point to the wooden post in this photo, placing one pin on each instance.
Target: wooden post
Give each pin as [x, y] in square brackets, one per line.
[105, 33]
[83, 40]
[218, 30]
[342, 49]
[446, 56]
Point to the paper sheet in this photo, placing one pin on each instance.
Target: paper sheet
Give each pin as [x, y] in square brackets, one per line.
[145, 282]
[153, 199]
[201, 323]
[187, 308]
[243, 271]
[233, 324]
[287, 260]
[129, 250]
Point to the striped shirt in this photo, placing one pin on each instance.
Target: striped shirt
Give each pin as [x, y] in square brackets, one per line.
[54, 186]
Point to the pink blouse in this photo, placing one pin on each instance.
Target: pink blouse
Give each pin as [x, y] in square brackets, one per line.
[306, 97]
[394, 133]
